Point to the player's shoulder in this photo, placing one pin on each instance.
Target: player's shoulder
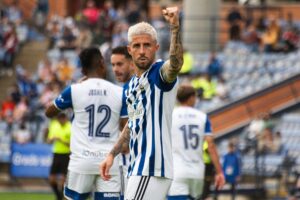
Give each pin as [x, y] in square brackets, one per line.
[96, 81]
[110, 84]
[191, 110]
[156, 66]
[200, 113]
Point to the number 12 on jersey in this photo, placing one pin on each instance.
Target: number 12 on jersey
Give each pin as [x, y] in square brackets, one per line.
[107, 113]
[190, 136]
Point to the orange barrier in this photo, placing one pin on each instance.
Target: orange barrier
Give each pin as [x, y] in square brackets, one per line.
[273, 99]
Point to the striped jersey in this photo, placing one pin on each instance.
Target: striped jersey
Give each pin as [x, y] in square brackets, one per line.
[124, 158]
[189, 128]
[96, 104]
[150, 102]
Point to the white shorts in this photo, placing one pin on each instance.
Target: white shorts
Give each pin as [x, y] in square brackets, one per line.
[80, 186]
[147, 188]
[123, 178]
[186, 187]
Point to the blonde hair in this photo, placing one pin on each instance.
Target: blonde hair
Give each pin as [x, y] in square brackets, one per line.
[141, 28]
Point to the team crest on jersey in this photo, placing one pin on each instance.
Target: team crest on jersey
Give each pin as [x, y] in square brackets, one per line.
[60, 98]
[142, 88]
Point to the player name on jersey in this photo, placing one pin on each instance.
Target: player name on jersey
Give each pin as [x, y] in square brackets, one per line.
[97, 92]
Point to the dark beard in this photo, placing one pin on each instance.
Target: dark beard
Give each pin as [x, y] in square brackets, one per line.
[143, 67]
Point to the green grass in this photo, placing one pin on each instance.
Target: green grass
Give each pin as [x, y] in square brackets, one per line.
[26, 196]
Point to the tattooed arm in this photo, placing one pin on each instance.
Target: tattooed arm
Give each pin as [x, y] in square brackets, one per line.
[120, 147]
[172, 66]
[122, 144]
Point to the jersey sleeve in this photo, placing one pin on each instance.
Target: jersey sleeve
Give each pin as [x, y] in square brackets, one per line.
[124, 113]
[64, 100]
[158, 78]
[207, 127]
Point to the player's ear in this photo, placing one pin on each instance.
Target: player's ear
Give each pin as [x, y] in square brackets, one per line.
[129, 49]
[157, 46]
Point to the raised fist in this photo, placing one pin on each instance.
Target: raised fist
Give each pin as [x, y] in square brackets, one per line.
[171, 15]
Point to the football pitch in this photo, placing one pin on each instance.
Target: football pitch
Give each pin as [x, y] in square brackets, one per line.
[25, 196]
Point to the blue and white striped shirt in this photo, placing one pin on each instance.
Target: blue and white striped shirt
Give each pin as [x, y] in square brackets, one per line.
[150, 102]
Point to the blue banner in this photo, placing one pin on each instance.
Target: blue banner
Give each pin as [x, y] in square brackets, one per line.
[31, 160]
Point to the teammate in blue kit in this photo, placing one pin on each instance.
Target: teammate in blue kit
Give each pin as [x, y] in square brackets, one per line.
[189, 130]
[96, 104]
[123, 69]
[150, 99]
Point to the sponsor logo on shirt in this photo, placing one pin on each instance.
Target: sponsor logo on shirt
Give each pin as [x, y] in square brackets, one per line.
[91, 154]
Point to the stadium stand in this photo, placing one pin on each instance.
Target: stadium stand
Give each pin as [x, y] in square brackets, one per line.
[246, 74]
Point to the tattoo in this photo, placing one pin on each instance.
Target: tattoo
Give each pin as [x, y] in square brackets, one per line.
[172, 67]
[122, 143]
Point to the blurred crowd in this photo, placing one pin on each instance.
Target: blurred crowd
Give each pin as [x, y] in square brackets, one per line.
[13, 33]
[22, 112]
[209, 81]
[261, 129]
[263, 34]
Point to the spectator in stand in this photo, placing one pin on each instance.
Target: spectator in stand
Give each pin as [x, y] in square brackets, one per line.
[269, 144]
[40, 14]
[15, 93]
[64, 70]
[47, 95]
[290, 40]
[106, 24]
[261, 24]
[45, 70]
[98, 37]
[119, 37]
[290, 21]
[109, 7]
[84, 38]
[206, 85]
[91, 13]
[67, 41]
[134, 14]
[2, 13]
[251, 38]
[215, 67]
[188, 62]
[27, 86]
[275, 28]
[221, 89]
[22, 135]
[21, 109]
[22, 31]
[232, 168]
[268, 41]
[14, 14]
[256, 126]
[54, 29]
[234, 19]
[9, 48]
[50, 91]
[7, 107]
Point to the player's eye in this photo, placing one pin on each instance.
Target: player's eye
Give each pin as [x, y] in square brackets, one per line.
[136, 46]
[147, 45]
